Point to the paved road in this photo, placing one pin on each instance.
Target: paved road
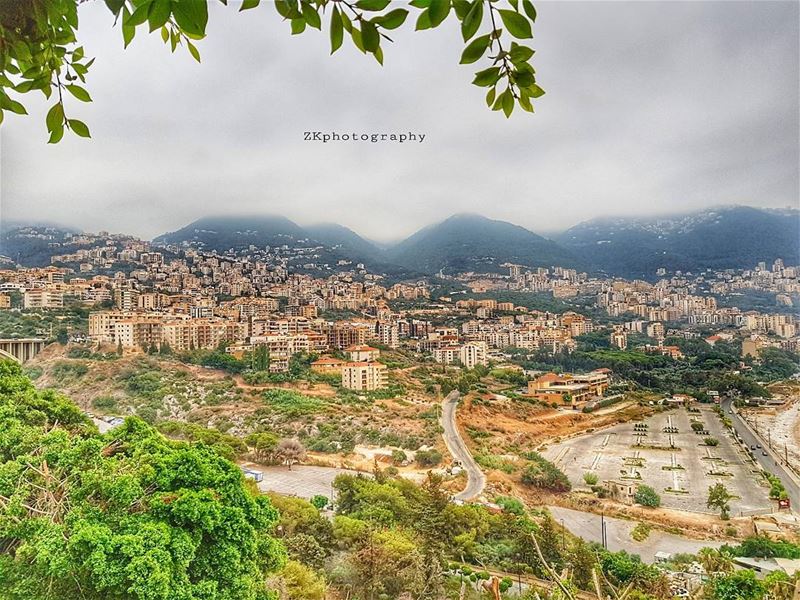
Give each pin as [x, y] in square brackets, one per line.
[476, 480]
[771, 462]
[618, 534]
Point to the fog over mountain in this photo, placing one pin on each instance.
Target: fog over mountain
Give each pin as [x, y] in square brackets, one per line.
[651, 108]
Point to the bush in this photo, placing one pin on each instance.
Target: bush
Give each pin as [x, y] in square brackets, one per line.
[710, 441]
[641, 532]
[398, 457]
[106, 403]
[543, 474]
[510, 505]
[647, 496]
[320, 501]
[590, 478]
[428, 458]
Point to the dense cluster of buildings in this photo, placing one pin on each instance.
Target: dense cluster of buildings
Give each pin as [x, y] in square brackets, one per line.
[186, 299]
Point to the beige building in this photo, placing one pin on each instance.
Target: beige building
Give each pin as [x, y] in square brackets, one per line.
[5, 301]
[364, 376]
[42, 298]
[363, 353]
[281, 348]
[472, 354]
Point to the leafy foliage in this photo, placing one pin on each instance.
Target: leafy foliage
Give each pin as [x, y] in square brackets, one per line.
[541, 473]
[647, 496]
[125, 515]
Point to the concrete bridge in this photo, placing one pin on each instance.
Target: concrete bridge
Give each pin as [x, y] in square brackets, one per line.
[20, 350]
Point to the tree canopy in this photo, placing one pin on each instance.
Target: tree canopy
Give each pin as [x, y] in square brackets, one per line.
[123, 515]
[40, 48]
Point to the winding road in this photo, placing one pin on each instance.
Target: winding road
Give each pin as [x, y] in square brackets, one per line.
[476, 480]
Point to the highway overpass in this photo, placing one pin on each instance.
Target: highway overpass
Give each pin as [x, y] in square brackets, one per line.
[20, 350]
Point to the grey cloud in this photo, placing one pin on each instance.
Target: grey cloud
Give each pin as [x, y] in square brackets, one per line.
[651, 106]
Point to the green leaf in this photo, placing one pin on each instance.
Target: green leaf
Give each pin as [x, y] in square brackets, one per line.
[79, 127]
[12, 105]
[311, 16]
[524, 79]
[80, 93]
[438, 11]
[298, 25]
[370, 36]
[525, 103]
[115, 5]
[536, 91]
[487, 77]
[475, 49]
[165, 34]
[490, 96]
[55, 116]
[356, 35]
[159, 14]
[56, 134]
[517, 25]
[1, 117]
[128, 31]
[193, 50]
[337, 30]
[378, 54]
[191, 15]
[420, 3]
[248, 4]
[520, 54]
[529, 9]
[346, 23]
[461, 8]
[423, 21]
[286, 10]
[472, 22]
[393, 19]
[138, 17]
[372, 5]
[507, 100]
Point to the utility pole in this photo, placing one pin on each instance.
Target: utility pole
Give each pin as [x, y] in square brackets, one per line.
[603, 529]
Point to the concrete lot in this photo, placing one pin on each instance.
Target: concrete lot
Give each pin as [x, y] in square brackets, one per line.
[618, 535]
[690, 467]
[302, 481]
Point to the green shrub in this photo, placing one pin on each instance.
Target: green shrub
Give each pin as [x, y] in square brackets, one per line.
[647, 496]
[428, 458]
[590, 478]
[543, 474]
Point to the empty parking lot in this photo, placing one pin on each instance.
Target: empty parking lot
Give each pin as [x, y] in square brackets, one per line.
[668, 456]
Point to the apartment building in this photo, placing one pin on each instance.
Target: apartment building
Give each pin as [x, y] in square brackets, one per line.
[364, 376]
[281, 348]
[473, 354]
[363, 353]
[42, 298]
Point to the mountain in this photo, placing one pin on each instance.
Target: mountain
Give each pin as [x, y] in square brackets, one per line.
[225, 232]
[468, 242]
[33, 245]
[238, 233]
[720, 238]
[347, 240]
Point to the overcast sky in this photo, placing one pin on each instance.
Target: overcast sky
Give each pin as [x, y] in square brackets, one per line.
[651, 107]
